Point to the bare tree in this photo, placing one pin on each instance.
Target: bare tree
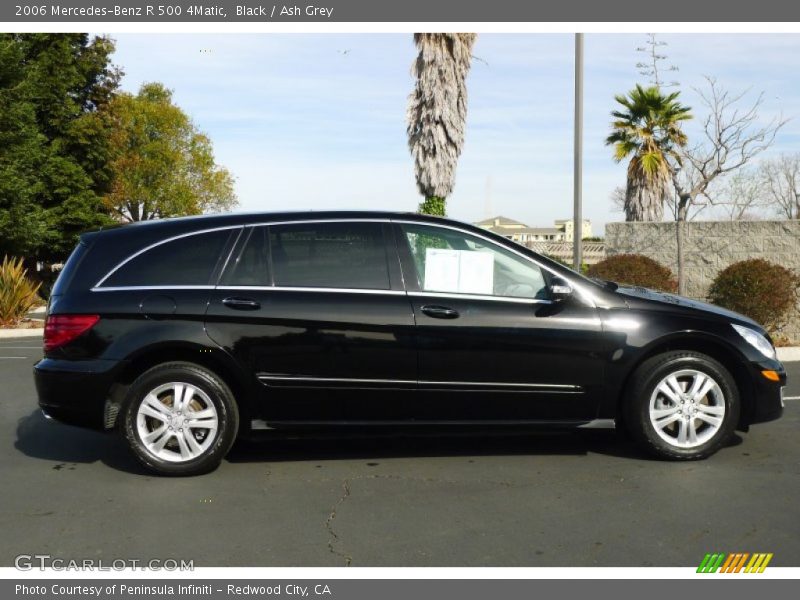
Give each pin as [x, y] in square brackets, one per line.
[733, 135]
[781, 181]
[671, 203]
[617, 198]
[741, 195]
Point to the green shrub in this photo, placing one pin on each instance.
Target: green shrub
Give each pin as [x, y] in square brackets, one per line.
[17, 293]
[637, 270]
[757, 288]
[432, 205]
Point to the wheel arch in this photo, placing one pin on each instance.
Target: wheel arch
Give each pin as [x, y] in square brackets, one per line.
[214, 359]
[707, 344]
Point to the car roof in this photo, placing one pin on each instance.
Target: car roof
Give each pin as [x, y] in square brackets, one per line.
[177, 225]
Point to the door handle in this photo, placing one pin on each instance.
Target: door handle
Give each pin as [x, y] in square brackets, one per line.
[242, 303]
[439, 312]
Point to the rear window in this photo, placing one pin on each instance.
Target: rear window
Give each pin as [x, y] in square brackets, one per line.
[335, 255]
[69, 268]
[188, 260]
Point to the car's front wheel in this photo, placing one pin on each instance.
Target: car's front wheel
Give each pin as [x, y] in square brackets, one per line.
[180, 419]
[682, 405]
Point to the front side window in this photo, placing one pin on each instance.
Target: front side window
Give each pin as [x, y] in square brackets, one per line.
[185, 261]
[452, 261]
[329, 255]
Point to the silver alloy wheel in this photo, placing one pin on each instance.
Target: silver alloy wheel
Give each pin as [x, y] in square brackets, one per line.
[177, 422]
[687, 408]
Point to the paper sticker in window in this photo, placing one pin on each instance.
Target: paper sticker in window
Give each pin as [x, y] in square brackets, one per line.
[459, 271]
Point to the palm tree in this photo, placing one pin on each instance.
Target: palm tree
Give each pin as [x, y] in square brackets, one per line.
[649, 131]
[437, 112]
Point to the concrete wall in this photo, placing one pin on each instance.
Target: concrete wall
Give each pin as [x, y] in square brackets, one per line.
[710, 246]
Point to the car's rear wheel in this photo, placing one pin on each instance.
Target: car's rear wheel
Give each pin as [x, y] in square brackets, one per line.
[180, 419]
[682, 405]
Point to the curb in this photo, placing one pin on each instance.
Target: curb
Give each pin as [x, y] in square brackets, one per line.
[789, 353]
[18, 333]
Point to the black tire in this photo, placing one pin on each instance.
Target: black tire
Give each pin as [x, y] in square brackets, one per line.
[708, 437]
[211, 389]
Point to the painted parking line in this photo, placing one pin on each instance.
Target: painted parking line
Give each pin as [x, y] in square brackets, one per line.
[792, 398]
[11, 357]
[20, 347]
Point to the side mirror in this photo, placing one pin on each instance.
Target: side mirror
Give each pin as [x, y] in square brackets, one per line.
[560, 289]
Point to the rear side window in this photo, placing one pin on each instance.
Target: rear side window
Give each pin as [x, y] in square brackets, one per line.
[251, 266]
[188, 260]
[335, 255]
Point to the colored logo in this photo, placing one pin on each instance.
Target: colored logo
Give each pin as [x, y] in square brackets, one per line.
[739, 562]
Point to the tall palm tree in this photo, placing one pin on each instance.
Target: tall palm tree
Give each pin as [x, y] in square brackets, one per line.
[649, 131]
[437, 112]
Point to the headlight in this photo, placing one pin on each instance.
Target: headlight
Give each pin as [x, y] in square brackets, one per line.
[756, 340]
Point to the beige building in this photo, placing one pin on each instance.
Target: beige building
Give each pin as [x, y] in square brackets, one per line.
[522, 234]
[568, 226]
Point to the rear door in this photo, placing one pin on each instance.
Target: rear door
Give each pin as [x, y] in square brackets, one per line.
[317, 312]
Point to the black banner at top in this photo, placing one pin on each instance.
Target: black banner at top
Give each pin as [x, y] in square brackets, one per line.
[338, 11]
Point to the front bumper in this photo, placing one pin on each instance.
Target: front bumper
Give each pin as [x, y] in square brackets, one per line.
[75, 391]
[767, 404]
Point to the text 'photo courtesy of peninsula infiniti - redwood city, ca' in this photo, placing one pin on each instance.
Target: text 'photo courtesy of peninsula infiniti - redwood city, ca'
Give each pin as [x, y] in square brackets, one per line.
[184, 334]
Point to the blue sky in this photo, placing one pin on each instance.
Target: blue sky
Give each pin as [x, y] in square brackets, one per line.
[318, 120]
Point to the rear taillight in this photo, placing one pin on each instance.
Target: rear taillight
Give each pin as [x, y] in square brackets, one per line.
[61, 329]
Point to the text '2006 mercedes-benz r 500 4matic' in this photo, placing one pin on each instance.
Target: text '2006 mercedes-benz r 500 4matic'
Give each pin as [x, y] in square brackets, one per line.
[183, 334]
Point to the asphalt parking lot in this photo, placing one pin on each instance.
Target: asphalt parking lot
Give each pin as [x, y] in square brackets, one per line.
[572, 499]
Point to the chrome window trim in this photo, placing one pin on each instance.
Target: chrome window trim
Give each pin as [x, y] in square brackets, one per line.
[276, 288]
[457, 296]
[421, 382]
[128, 288]
[263, 288]
[97, 287]
[317, 290]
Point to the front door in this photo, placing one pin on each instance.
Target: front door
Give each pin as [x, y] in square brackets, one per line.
[493, 345]
[317, 312]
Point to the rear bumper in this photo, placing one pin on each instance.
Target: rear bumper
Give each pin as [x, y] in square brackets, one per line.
[75, 391]
[767, 402]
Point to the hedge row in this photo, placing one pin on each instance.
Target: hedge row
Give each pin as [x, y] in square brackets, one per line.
[757, 288]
